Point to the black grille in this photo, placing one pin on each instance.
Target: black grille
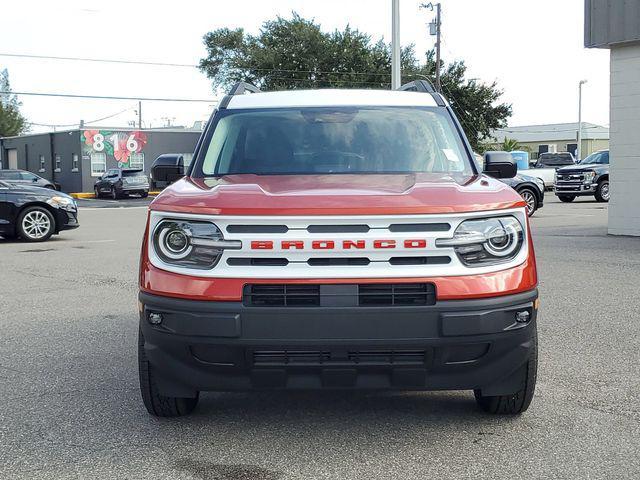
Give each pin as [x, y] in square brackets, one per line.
[260, 262]
[435, 260]
[387, 294]
[363, 295]
[282, 295]
[305, 358]
[338, 261]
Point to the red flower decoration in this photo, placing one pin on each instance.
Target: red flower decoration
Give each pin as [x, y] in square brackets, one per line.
[88, 136]
[141, 139]
[121, 154]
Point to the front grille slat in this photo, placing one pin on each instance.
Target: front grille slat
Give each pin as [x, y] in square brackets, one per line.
[368, 295]
[322, 358]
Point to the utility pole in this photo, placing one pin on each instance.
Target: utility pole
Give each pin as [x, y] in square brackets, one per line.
[438, 85]
[395, 44]
[434, 29]
[579, 152]
[139, 115]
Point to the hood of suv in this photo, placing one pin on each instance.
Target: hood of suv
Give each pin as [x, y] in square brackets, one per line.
[337, 194]
[583, 168]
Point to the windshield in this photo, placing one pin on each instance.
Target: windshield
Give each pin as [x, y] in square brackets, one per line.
[334, 140]
[133, 173]
[594, 158]
[555, 159]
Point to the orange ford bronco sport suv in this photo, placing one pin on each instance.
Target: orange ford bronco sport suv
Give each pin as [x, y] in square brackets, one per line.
[338, 239]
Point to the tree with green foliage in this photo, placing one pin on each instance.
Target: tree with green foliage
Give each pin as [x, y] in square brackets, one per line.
[509, 145]
[294, 53]
[11, 120]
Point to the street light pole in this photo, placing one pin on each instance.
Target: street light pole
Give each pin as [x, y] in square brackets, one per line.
[395, 44]
[579, 153]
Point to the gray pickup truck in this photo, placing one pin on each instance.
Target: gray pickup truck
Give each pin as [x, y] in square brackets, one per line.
[545, 166]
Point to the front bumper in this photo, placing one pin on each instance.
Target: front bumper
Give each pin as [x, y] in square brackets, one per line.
[224, 346]
[66, 220]
[575, 188]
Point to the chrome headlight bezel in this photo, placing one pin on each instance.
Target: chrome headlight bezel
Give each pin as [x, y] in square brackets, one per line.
[193, 244]
[487, 241]
[589, 177]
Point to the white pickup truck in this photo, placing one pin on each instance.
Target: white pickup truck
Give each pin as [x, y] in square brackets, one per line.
[546, 165]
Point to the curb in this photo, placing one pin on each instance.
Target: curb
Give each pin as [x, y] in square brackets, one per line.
[92, 195]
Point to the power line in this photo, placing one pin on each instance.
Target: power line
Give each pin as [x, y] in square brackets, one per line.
[97, 60]
[76, 123]
[108, 97]
[182, 65]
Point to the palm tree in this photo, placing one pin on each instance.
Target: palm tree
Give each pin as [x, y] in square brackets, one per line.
[509, 144]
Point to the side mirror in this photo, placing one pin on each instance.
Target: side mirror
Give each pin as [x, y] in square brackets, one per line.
[34, 179]
[167, 168]
[500, 165]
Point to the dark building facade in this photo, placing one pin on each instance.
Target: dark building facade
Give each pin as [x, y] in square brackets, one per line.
[74, 159]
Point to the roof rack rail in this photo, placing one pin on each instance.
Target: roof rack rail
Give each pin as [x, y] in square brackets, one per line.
[242, 87]
[424, 86]
[239, 88]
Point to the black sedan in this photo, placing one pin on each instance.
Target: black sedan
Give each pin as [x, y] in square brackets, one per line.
[35, 213]
[116, 183]
[530, 188]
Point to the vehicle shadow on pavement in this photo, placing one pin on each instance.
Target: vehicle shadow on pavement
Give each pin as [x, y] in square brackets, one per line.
[340, 408]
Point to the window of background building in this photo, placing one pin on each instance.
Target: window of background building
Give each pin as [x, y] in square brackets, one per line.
[41, 157]
[98, 164]
[58, 162]
[74, 162]
[136, 160]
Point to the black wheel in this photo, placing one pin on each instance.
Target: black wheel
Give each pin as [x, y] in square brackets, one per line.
[35, 224]
[567, 198]
[155, 403]
[114, 194]
[96, 192]
[518, 402]
[530, 197]
[602, 192]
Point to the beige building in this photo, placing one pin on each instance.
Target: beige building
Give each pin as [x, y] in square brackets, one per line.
[555, 137]
[616, 25]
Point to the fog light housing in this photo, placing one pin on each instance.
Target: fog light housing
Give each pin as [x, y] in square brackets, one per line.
[155, 318]
[523, 316]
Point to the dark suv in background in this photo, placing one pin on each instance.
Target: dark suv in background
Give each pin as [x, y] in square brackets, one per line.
[22, 177]
[589, 177]
[117, 183]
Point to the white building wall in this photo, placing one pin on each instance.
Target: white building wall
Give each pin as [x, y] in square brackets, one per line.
[624, 206]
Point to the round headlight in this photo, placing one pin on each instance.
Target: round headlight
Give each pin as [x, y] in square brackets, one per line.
[502, 241]
[174, 242]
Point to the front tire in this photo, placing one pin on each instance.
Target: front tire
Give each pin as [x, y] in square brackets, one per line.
[157, 404]
[518, 402]
[114, 193]
[567, 198]
[530, 197]
[602, 192]
[96, 192]
[35, 224]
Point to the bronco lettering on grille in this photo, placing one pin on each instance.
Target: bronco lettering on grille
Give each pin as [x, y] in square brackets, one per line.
[336, 245]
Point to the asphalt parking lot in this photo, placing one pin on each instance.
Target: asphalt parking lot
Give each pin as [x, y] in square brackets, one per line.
[70, 405]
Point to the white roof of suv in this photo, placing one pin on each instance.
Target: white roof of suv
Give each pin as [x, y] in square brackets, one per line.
[331, 98]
